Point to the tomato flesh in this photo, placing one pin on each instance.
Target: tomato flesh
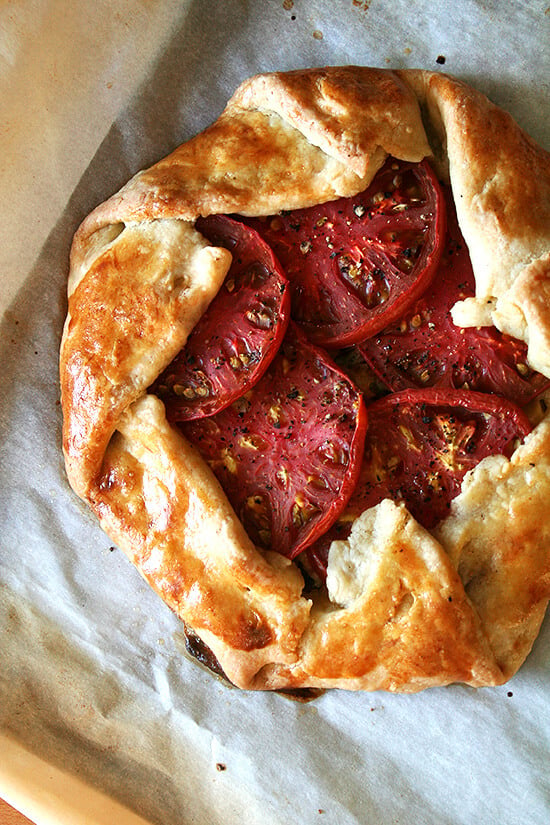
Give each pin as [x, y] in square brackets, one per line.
[419, 446]
[239, 335]
[355, 264]
[425, 348]
[288, 452]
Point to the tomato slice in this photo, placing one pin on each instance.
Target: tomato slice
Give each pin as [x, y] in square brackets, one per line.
[355, 264]
[419, 446]
[426, 349]
[288, 452]
[238, 336]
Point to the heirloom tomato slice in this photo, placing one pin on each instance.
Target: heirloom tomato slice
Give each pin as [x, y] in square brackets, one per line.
[355, 264]
[425, 348]
[419, 446]
[288, 452]
[240, 333]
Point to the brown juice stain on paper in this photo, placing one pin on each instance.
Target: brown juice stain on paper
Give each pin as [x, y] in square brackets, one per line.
[361, 4]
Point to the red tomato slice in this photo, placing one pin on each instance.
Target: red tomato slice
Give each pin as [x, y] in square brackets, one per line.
[355, 264]
[419, 446]
[288, 453]
[426, 349]
[238, 336]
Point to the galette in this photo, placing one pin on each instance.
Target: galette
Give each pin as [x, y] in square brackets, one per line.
[303, 377]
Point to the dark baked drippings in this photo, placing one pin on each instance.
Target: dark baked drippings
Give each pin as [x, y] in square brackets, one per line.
[303, 695]
[200, 651]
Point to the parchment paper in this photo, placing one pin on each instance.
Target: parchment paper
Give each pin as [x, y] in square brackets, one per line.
[93, 680]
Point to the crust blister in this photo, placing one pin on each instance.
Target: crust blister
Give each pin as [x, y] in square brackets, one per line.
[288, 141]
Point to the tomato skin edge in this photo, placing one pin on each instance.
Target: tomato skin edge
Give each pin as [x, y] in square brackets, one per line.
[399, 308]
[355, 460]
[482, 401]
[219, 230]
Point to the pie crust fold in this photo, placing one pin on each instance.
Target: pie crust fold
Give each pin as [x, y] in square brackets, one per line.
[405, 609]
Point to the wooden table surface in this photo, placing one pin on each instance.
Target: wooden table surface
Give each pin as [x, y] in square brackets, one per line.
[9, 816]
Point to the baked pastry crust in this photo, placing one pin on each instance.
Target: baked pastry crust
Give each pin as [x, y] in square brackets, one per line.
[405, 609]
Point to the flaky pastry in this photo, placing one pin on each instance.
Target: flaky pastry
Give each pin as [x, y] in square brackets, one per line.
[404, 608]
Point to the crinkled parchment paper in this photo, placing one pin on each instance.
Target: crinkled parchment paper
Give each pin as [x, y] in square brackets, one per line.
[95, 692]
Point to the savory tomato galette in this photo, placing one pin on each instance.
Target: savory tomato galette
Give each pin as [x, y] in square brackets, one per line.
[303, 377]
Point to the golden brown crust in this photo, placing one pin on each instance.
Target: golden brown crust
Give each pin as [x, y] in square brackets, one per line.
[131, 308]
[159, 501]
[498, 539]
[501, 186]
[420, 609]
[398, 618]
[324, 106]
